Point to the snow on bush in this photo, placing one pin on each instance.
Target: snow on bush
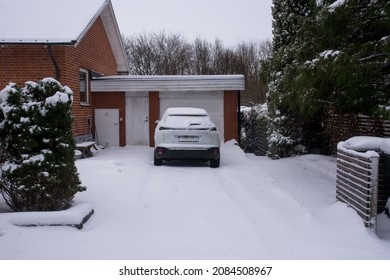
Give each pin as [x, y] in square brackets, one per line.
[254, 122]
[38, 172]
[261, 130]
[336, 4]
[279, 137]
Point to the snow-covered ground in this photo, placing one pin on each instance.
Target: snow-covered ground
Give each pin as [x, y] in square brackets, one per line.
[249, 208]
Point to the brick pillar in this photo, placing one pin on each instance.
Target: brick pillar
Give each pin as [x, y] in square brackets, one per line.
[154, 114]
[230, 108]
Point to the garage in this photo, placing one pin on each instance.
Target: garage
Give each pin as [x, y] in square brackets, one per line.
[211, 101]
[141, 101]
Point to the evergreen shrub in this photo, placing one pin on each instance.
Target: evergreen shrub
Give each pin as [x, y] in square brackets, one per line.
[38, 171]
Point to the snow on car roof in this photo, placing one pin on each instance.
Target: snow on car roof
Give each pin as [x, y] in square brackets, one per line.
[186, 111]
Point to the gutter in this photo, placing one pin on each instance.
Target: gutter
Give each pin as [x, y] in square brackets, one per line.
[54, 43]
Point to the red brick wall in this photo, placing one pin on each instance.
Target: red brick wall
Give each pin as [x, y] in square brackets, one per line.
[230, 115]
[113, 100]
[154, 114]
[20, 63]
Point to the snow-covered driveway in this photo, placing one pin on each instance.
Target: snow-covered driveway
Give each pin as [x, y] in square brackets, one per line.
[249, 208]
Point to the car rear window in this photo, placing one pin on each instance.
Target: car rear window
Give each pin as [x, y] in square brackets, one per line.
[185, 121]
[188, 115]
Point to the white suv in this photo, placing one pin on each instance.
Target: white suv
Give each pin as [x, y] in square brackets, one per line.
[186, 133]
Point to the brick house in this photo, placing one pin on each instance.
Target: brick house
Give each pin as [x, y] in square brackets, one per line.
[79, 44]
[70, 40]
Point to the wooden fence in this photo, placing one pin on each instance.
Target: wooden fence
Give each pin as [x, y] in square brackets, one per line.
[361, 183]
[338, 128]
[343, 127]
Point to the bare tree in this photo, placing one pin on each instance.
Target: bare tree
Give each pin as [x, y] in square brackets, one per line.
[174, 54]
[171, 54]
[225, 61]
[158, 54]
[203, 57]
[141, 53]
[250, 56]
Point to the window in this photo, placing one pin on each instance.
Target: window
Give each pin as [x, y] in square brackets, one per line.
[84, 87]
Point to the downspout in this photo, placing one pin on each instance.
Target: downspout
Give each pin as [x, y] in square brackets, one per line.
[53, 60]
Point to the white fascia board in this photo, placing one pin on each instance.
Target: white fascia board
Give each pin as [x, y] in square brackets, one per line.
[115, 38]
[168, 83]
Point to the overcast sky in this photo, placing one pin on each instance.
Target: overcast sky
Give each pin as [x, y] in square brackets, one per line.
[232, 21]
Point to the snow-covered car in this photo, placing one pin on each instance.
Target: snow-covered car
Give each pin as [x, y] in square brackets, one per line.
[186, 133]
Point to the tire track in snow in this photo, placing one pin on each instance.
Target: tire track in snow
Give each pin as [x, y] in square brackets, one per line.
[191, 212]
[257, 195]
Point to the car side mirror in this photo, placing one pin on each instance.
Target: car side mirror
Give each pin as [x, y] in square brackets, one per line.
[156, 122]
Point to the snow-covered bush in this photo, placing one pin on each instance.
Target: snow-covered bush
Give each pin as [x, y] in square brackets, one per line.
[38, 171]
[266, 133]
[254, 123]
[279, 137]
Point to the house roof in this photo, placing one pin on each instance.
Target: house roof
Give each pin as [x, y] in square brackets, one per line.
[131, 83]
[58, 22]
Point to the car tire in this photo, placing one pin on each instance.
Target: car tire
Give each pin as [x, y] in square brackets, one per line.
[214, 163]
[157, 161]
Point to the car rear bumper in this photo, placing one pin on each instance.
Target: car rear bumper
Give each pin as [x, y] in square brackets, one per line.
[162, 152]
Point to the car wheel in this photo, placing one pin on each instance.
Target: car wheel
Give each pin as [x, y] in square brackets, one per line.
[157, 161]
[214, 163]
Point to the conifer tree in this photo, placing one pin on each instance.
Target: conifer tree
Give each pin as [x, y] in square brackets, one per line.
[288, 18]
[37, 163]
[327, 58]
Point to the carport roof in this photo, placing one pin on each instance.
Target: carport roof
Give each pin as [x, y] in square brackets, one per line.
[168, 83]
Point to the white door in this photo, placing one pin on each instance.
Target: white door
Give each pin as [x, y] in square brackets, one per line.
[211, 101]
[107, 127]
[137, 120]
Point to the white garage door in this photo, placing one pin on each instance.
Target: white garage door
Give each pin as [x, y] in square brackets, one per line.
[211, 101]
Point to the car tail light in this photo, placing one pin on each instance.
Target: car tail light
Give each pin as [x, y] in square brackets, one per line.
[160, 151]
[215, 152]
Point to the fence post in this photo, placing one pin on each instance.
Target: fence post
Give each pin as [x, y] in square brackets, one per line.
[374, 192]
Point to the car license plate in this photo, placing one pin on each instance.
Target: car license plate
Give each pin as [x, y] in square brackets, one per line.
[187, 138]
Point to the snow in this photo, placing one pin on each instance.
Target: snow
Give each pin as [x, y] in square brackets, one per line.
[47, 18]
[185, 117]
[369, 144]
[260, 109]
[33, 159]
[385, 146]
[57, 97]
[71, 217]
[364, 143]
[248, 208]
[4, 93]
[329, 53]
[185, 111]
[335, 4]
